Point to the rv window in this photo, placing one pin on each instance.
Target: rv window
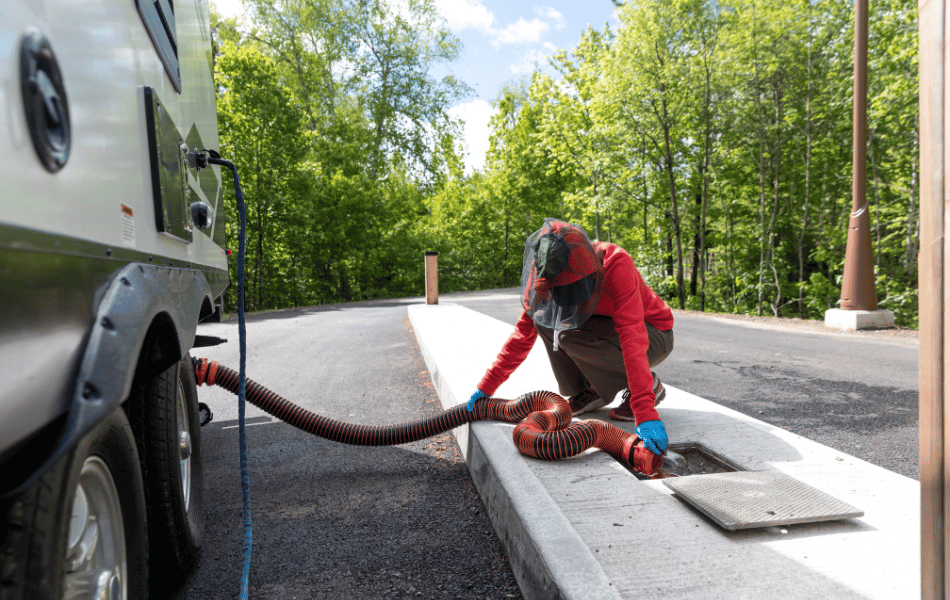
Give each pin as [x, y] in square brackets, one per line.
[159, 19]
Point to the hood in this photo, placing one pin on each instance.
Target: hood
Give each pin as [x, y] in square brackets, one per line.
[562, 276]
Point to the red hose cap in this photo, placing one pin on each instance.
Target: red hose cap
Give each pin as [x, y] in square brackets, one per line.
[644, 461]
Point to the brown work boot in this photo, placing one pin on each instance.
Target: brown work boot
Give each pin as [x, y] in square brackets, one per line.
[585, 402]
[659, 392]
[625, 413]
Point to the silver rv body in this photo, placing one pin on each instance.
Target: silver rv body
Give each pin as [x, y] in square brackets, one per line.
[112, 249]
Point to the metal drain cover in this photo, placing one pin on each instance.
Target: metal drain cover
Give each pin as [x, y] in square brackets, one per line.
[748, 499]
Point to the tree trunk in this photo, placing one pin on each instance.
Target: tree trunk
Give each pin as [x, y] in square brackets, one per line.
[669, 249]
[801, 237]
[697, 218]
[762, 240]
[507, 241]
[260, 258]
[596, 209]
[877, 199]
[704, 171]
[677, 229]
[259, 254]
[677, 234]
[730, 269]
[646, 229]
[777, 161]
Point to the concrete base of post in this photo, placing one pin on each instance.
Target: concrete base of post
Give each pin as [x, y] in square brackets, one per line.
[853, 320]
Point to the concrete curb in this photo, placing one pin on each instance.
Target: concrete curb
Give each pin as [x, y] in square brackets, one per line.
[547, 555]
[585, 527]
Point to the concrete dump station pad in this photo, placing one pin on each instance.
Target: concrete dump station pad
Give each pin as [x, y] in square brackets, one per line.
[586, 527]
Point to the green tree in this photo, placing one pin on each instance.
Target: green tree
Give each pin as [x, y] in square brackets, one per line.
[395, 50]
[649, 103]
[260, 128]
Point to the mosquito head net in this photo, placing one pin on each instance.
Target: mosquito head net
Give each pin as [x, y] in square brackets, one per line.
[562, 277]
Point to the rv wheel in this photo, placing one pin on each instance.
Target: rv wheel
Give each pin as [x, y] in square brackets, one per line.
[169, 432]
[79, 531]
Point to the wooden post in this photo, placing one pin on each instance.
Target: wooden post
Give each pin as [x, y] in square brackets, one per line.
[432, 277]
[931, 305]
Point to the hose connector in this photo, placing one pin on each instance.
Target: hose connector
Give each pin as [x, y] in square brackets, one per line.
[206, 372]
[643, 460]
[197, 159]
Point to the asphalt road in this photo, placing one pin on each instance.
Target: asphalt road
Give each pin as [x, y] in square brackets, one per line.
[334, 521]
[343, 522]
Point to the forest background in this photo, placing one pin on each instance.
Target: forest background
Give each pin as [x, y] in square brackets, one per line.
[711, 139]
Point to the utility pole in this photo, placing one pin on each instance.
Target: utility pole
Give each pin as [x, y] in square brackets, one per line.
[858, 294]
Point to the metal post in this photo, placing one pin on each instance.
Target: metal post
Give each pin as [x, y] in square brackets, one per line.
[931, 283]
[857, 286]
[432, 277]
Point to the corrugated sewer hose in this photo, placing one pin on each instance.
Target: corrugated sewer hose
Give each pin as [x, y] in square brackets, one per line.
[544, 427]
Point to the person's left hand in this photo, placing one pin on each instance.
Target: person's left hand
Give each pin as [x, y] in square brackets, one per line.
[653, 434]
[478, 395]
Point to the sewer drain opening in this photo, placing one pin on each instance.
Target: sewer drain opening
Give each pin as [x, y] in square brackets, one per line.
[700, 460]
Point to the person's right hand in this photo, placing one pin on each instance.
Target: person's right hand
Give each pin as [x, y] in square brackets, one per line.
[653, 434]
[478, 395]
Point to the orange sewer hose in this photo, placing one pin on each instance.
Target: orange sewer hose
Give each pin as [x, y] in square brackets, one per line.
[544, 423]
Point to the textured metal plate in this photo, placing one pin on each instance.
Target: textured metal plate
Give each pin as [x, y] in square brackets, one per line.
[748, 499]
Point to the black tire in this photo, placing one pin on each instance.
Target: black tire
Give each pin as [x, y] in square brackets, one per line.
[165, 415]
[93, 492]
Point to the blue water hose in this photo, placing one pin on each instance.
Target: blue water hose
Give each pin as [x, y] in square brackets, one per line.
[242, 389]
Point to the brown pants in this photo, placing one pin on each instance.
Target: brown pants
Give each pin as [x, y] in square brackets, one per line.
[590, 356]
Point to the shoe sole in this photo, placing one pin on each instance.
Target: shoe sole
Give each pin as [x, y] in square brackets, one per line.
[617, 417]
[599, 403]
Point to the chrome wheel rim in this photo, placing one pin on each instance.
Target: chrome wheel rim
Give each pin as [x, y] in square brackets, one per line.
[184, 446]
[96, 564]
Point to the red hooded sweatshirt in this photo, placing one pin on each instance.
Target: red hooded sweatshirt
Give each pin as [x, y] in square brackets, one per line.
[631, 303]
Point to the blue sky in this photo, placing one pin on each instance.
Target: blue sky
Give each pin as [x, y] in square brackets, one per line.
[505, 40]
[502, 41]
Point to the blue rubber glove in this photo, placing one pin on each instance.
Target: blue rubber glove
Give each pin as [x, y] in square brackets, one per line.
[653, 434]
[478, 395]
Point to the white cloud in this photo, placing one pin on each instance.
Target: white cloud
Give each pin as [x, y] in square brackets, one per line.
[460, 14]
[527, 63]
[476, 115]
[463, 14]
[228, 8]
[521, 32]
[553, 14]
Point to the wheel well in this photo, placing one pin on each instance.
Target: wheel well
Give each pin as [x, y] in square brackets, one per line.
[160, 350]
[161, 347]
[207, 309]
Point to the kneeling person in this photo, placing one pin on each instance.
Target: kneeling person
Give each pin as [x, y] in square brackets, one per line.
[604, 329]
